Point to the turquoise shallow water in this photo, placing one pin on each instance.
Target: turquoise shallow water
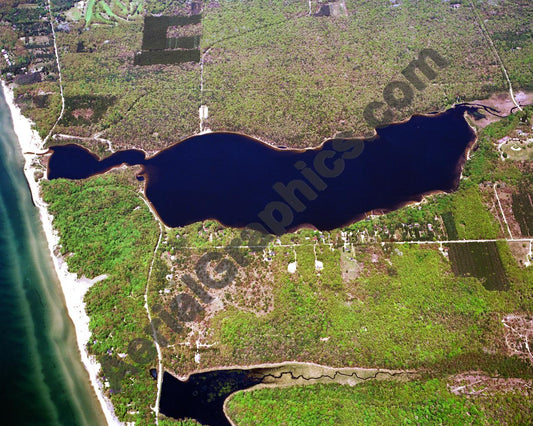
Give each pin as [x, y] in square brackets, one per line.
[43, 381]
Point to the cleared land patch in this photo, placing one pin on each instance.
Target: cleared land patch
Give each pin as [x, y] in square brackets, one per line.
[480, 260]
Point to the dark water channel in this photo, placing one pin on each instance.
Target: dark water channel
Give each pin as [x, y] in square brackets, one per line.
[202, 396]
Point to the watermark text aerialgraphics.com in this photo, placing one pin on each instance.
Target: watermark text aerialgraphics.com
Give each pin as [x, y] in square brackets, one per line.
[276, 218]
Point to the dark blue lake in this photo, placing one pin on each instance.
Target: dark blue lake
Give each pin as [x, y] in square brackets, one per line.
[240, 181]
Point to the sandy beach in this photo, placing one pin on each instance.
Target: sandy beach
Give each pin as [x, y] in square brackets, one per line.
[73, 288]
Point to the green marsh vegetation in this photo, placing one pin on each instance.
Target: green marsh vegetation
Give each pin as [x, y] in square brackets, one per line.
[377, 403]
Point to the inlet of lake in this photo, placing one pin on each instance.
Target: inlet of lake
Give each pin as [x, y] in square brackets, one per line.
[202, 395]
[241, 181]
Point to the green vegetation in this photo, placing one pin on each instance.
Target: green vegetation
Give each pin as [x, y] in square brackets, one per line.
[485, 164]
[172, 422]
[42, 109]
[106, 229]
[378, 306]
[405, 309]
[415, 222]
[277, 73]
[510, 29]
[449, 224]
[377, 403]
[111, 12]
[464, 214]
[472, 220]
[296, 79]
[138, 117]
[89, 12]
[272, 71]
[85, 109]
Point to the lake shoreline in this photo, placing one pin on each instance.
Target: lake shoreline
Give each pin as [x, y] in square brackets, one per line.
[72, 287]
[73, 161]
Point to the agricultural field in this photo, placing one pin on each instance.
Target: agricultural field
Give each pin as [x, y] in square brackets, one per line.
[523, 211]
[481, 260]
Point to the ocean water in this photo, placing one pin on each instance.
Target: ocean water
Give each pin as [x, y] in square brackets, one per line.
[42, 379]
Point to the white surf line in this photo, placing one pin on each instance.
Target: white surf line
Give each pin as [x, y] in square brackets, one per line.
[154, 335]
[72, 287]
[488, 37]
[59, 73]
[501, 210]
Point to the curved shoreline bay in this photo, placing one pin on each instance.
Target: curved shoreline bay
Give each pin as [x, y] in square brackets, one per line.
[241, 181]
